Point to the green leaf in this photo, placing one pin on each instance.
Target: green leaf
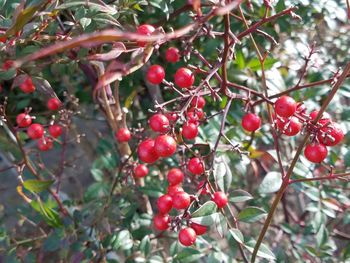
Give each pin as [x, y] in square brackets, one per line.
[222, 173]
[254, 64]
[206, 209]
[271, 183]
[206, 220]
[7, 75]
[221, 224]
[50, 216]
[123, 240]
[189, 255]
[251, 214]
[237, 235]
[37, 186]
[145, 245]
[85, 22]
[240, 59]
[263, 251]
[239, 196]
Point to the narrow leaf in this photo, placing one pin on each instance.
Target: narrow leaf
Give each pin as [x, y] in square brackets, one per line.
[37, 186]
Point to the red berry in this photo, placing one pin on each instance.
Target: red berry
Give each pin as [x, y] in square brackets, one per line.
[331, 135]
[159, 123]
[35, 131]
[146, 151]
[198, 102]
[7, 65]
[199, 229]
[325, 118]
[195, 114]
[196, 166]
[315, 153]
[45, 144]
[285, 106]
[123, 135]
[55, 130]
[251, 122]
[187, 236]
[164, 204]
[220, 199]
[172, 116]
[144, 30]
[27, 85]
[205, 189]
[181, 200]
[140, 171]
[3, 39]
[155, 74]
[161, 222]
[289, 127]
[184, 78]
[172, 55]
[189, 130]
[54, 104]
[23, 120]
[175, 176]
[165, 145]
[173, 189]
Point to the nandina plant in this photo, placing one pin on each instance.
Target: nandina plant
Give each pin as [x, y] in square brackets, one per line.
[174, 131]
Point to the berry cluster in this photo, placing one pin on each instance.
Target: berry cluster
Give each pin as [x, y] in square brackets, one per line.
[292, 117]
[36, 131]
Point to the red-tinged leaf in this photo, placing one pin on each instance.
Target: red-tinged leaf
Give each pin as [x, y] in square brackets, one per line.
[116, 70]
[117, 50]
[22, 17]
[97, 38]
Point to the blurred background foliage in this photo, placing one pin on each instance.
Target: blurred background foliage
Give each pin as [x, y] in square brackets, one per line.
[123, 233]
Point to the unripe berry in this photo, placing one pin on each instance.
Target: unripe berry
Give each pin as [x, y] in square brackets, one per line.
[187, 236]
[35, 131]
[23, 120]
[146, 151]
[184, 78]
[54, 104]
[175, 176]
[199, 229]
[161, 222]
[140, 171]
[181, 200]
[155, 74]
[165, 145]
[172, 55]
[164, 204]
[198, 102]
[159, 123]
[173, 189]
[144, 30]
[189, 130]
[27, 85]
[123, 135]
[289, 127]
[55, 130]
[315, 152]
[251, 122]
[285, 106]
[331, 135]
[220, 199]
[45, 144]
[196, 166]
